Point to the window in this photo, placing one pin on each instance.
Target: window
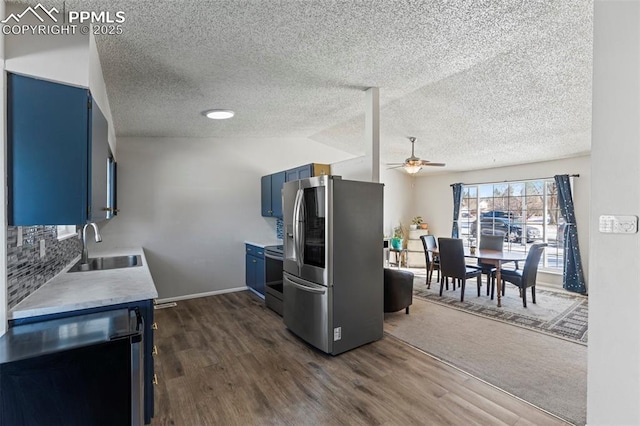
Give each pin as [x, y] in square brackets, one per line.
[524, 212]
[66, 231]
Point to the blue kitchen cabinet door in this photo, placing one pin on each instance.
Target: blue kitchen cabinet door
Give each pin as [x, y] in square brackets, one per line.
[301, 172]
[48, 152]
[250, 271]
[254, 269]
[99, 201]
[271, 194]
[265, 195]
[277, 182]
[260, 276]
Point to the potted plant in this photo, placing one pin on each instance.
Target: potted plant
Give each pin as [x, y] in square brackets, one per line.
[415, 222]
[396, 240]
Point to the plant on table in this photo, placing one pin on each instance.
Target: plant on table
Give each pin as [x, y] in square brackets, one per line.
[415, 222]
[398, 235]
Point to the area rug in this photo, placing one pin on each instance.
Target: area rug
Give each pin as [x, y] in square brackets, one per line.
[558, 313]
[547, 371]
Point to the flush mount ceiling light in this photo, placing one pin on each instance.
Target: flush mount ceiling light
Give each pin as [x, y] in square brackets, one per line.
[218, 114]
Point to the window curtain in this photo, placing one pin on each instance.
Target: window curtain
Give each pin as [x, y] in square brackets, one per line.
[457, 200]
[573, 276]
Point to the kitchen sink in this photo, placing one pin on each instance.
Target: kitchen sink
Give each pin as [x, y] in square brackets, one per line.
[102, 263]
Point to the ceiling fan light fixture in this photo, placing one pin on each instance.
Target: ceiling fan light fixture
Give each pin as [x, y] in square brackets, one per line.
[218, 114]
[412, 167]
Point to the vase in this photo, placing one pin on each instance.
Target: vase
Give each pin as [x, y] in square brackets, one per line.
[424, 226]
[396, 243]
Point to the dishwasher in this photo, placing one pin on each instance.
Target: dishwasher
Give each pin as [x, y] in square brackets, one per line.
[81, 370]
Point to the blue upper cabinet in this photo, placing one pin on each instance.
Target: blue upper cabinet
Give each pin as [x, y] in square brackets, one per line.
[57, 154]
[99, 165]
[271, 194]
[277, 182]
[271, 186]
[306, 171]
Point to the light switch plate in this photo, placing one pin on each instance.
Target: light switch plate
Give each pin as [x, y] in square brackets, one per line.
[616, 224]
[19, 242]
[42, 249]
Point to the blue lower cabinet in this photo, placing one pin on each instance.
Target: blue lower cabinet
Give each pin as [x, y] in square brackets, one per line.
[145, 307]
[254, 269]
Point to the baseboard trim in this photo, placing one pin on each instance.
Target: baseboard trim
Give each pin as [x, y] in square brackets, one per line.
[197, 295]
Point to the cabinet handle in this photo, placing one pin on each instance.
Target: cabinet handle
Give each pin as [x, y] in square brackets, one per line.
[155, 379]
[110, 209]
[260, 252]
[154, 326]
[248, 249]
[154, 352]
[254, 261]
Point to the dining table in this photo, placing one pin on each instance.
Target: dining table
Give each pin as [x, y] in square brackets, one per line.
[490, 257]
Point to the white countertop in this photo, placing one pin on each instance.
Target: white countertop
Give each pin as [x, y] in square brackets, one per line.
[81, 290]
[263, 245]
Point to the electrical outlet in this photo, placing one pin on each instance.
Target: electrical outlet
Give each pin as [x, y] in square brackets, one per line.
[19, 243]
[337, 334]
[42, 249]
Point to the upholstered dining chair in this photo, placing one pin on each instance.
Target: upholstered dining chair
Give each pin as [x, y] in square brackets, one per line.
[490, 242]
[526, 277]
[429, 243]
[452, 265]
[398, 290]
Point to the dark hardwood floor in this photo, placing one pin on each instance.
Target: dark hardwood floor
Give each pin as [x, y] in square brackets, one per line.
[228, 360]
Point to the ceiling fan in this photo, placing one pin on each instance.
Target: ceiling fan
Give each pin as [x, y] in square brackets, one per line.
[413, 164]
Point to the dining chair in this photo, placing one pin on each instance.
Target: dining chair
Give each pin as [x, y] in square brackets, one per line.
[429, 243]
[489, 242]
[526, 277]
[452, 265]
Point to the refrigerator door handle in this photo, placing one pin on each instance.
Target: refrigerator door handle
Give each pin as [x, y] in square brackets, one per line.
[303, 287]
[301, 234]
[297, 205]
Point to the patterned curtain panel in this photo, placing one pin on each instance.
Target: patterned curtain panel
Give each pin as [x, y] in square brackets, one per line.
[457, 200]
[573, 276]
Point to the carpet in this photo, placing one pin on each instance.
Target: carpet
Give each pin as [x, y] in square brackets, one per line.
[540, 368]
[558, 313]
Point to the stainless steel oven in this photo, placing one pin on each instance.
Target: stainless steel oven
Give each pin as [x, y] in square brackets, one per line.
[273, 293]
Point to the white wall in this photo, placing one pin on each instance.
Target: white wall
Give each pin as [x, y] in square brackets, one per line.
[434, 196]
[398, 200]
[191, 203]
[60, 58]
[614, 305]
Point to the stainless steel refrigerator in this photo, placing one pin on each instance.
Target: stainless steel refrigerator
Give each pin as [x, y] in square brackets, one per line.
[333, 266]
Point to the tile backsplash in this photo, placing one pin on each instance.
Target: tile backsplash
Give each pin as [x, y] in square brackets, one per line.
[279, 229]
[26, 270]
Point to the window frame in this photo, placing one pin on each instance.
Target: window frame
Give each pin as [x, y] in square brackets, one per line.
[553, 259]
[66, 231]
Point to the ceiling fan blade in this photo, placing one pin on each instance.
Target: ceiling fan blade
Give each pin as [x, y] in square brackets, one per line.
[395, 164]
[394, 167]
[429, 163]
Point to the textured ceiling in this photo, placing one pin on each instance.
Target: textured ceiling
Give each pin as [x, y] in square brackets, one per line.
[479, 83]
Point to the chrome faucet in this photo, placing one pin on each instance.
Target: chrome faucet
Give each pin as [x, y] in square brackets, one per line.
[85, 252]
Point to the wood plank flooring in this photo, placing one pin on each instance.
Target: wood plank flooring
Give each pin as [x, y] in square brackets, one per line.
[228, 360]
